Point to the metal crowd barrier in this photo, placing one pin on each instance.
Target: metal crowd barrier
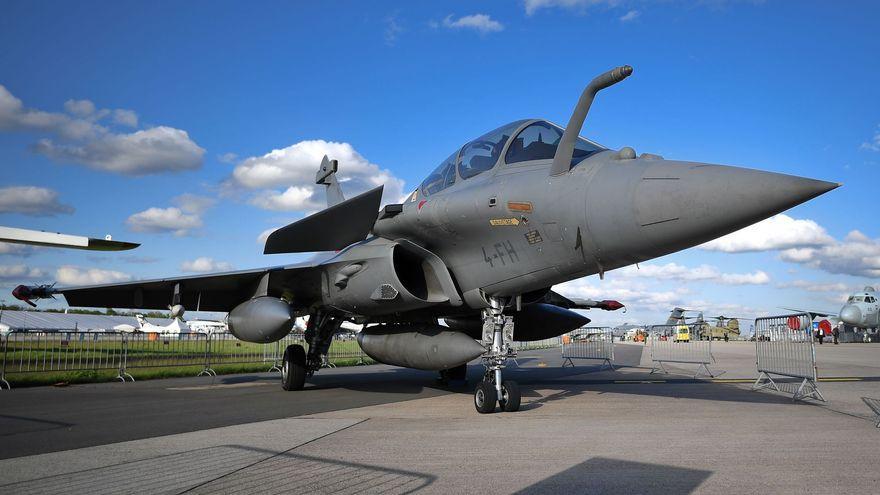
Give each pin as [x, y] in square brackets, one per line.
[68, 351]
[537, 344]
[34, 352]
[784, 346]
[681, 344]
[589, 343]
[154, 350]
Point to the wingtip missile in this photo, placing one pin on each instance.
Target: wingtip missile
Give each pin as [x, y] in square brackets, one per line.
[29, 293]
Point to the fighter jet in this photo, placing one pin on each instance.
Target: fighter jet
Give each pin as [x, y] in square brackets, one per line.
[480, 243]
[861, 310]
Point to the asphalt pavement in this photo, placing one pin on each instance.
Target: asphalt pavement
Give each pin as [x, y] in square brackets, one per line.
[380, 429]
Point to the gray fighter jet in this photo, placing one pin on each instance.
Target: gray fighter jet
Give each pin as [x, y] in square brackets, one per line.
[479, 245]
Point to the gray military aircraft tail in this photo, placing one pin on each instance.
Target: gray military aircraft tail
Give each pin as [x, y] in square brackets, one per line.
[479, 244]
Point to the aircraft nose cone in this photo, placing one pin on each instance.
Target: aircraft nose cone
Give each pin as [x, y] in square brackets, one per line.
[851, 315]
[675, 205]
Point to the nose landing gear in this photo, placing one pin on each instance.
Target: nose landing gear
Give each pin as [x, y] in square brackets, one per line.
[497, 332]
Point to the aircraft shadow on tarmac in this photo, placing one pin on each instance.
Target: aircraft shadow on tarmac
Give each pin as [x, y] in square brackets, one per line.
[231, 468]
[531, 371]
[604, 475]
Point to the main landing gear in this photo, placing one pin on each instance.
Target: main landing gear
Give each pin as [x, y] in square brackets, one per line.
[299, 364]
[493, 389]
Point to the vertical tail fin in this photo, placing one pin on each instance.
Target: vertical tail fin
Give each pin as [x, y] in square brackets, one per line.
[327, 175]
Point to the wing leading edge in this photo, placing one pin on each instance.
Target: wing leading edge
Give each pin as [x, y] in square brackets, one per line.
[215, 292]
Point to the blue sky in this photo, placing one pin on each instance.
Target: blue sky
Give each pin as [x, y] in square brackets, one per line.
[156, 122]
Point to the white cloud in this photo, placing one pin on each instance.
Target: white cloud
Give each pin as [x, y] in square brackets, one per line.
[533, 6]
[775, 233]
[856, 255]
[31, 200]
[293, 199]
[811, 286]
[84, 141]
[164, 220]
[15, 272]
[478, 22]
[674, 271]
[874, 143]
[293, 169]
[125, 117]
[393, 28]
[79, 108]
[150, 151]
[193, 203]
[181, 219]
[15, 249]
[15, 117]
[633, 295]
[74, 275]
[629, 16]
[227, 158]
[205, 264]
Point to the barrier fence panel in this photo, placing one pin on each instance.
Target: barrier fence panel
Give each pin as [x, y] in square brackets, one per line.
[62, 351]
[681, 344]
[154, 350]
[588, 343]
[40, 352]
[784, 347]
[537, 344]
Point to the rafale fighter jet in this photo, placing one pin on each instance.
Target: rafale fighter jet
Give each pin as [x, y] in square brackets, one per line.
[478, 244]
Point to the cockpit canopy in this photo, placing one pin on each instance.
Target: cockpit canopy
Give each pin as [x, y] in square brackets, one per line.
[536, 141]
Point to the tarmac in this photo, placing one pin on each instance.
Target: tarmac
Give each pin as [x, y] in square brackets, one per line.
[381, 429]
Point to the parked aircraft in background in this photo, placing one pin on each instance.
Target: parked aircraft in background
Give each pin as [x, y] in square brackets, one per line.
[861, 310]
[177, 326]
[479, 244]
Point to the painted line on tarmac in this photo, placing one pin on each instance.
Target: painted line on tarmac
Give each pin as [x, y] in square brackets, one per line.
[842, 379]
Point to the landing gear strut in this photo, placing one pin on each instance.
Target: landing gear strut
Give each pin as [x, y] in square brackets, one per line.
[299, 364]
[497, 331]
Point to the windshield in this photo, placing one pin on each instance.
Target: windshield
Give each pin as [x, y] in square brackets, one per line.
[482, 153]
[539, 142]
[441, 178]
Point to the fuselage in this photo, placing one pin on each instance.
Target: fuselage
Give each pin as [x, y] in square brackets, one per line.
[514, 228]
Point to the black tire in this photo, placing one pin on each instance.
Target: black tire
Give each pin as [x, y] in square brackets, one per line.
[293, 368]
[510, 397]
[485, 397]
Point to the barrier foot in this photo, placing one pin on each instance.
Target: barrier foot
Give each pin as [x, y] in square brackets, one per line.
[207, 372]
[274, 368]
[662, 368]
[758, 385]
[3, 383]
[122, 375]
[703, 367]
[808, 389]
[609, 363]
[567, 362]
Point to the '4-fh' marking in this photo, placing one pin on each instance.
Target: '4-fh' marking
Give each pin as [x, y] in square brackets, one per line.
[502, 250]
